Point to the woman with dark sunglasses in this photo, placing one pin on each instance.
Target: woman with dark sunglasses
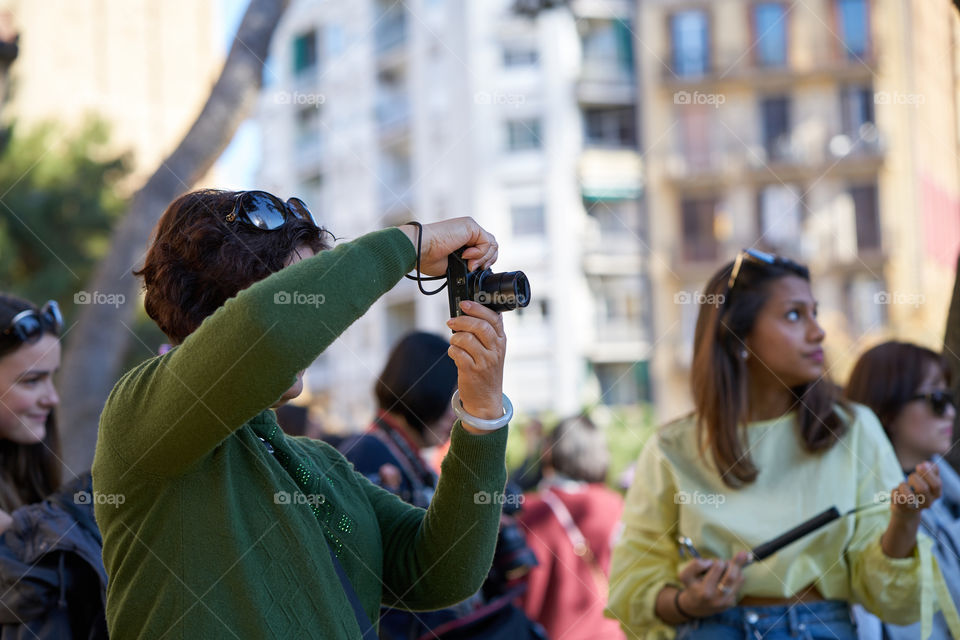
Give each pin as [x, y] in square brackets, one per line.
[52, 581]
[229, 527]
[907, 386]
[769, 446]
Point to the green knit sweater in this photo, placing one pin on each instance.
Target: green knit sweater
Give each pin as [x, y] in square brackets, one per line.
[213, 538]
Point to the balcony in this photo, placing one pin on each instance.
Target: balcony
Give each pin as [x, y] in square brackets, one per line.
[610, 173]
[622, 9]
[807, 151]
[606, 82]
[736, 69]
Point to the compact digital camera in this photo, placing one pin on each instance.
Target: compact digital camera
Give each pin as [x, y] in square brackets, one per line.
[497, 291]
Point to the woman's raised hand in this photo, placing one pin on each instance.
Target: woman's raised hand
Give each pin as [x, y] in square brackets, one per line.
[440, 239]
[478, 348]
[918, 492]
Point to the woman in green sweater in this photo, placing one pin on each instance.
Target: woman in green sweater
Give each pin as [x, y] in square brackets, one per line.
[222, 526]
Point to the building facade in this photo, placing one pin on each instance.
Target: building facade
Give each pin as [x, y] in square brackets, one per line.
[824, 130]
[380, 112]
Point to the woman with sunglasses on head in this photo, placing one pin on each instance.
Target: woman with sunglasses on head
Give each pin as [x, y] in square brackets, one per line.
[52, 581]
[769, 446]
[907, 386]
[232, 529]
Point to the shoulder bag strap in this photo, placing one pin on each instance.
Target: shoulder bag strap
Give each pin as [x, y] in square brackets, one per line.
[577, 539]
[363, 620]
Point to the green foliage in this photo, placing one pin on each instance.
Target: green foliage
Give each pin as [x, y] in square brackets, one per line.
[626, 430]
[58, 202]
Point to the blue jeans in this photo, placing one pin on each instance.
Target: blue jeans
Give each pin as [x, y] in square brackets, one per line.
[822, 620]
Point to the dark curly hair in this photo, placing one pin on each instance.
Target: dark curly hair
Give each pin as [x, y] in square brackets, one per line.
[198, 260]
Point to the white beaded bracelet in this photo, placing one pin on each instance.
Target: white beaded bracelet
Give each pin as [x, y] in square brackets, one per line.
[480, 423]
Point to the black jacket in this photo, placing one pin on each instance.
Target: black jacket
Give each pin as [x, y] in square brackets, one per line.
[52, 580]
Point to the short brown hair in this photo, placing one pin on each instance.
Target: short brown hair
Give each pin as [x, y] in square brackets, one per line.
[887, 377]
[198, 260]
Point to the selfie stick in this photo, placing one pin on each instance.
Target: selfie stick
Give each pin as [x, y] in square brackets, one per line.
[769, 548]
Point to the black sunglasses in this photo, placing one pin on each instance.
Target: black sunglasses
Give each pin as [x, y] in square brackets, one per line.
[938, 401]
[761, 257]
[27, 326]
[268, 212]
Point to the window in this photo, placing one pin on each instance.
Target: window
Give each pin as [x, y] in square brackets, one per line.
[304, 52]
[520, 56]
[528, 220]
[699, 240]
[607, 47]
[307, 125]
[776, 127]
[523, 135]
[781, 218]
[623, 383]
[688, 32]
[391, 25]
[619, 220]
[867, 216]
[853, 27]
[333, 38]
[770, 27]
[856, 109]
[696, 130]
[610, 127]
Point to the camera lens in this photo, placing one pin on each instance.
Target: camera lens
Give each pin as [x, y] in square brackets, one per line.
[502, 291]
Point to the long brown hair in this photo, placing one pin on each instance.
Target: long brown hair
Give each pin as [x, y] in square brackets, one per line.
[719, 379]
[28, 472]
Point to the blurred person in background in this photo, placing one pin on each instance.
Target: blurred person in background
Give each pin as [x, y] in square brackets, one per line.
[231, 527]
[770, 445]
[52, 581]
[908, 387]
[414, 414]
[571, 522]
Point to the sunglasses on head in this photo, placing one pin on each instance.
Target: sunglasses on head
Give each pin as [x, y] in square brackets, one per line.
[759, 257]
[27, 326]
[268, 212]
[938, 401]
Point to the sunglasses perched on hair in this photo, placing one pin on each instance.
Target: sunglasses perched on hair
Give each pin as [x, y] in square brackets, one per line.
[268, 212]
[938, 401]
[760, 257]
[27, 326]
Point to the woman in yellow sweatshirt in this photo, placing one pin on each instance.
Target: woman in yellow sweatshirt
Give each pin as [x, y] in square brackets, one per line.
[770, 445]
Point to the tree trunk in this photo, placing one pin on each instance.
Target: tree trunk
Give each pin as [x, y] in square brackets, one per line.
[96, 344]
[951, 349]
